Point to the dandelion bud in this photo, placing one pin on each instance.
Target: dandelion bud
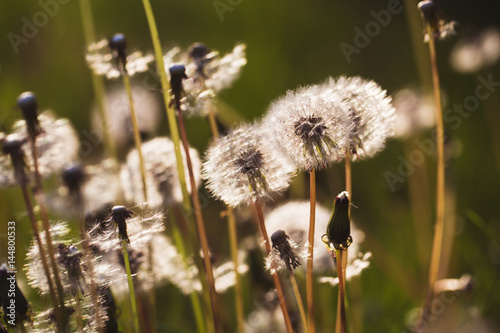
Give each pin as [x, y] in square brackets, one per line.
[339, 227]
[120, 214]
[73, 178]
[28, 104]
[431, 15]
[281, 243]
[22, 308]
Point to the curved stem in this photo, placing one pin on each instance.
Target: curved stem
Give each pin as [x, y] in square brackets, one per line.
[137, 135]
[133, 303]
[277, 282]
[310, 249]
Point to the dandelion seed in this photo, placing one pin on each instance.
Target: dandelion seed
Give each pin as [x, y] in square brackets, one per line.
[371, 114]
[310, 125]
[292, 217]
[207, 74]
[113, 64]
[441, 28]
[414, 113]
[476, 53]
[162, 177]
[57, 145]
[241, 168]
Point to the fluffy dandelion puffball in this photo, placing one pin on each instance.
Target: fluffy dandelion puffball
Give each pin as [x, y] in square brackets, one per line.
[310, 125]
[162, 178]
[57, 145]
[370, 114]
[242, 168]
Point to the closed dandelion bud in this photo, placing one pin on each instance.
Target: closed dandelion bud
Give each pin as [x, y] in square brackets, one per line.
[120, 214]
[28, 105]
[283, 253]
[431, 15]
[339, 227]
[11, 294]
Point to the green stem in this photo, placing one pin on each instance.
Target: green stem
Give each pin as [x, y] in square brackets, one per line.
[97, 81]
[137, 135]
[133, 303]
[165, 85]
[78, 313]
[440, 196]
[310, 250]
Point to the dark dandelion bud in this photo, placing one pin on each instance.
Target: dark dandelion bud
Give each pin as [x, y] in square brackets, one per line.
[11, 294]
[281, 243]
[118, 44]
[70, 258]
[28, 105]
[12, 146]
[338, 230]
[73, 177]
[120, 214]
[177, 74]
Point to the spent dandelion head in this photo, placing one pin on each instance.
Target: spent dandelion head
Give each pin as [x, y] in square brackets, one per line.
[12, 161]
[115, 63]
[370, 114]
[119, 215]
[241, 168]
[162, 177]
[440, 27]
[57, 145]
[285, 253]
[69, 257]
[28, 104]
[310, 125]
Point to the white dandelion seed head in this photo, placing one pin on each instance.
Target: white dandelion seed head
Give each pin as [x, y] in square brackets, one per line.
[370, 112]
[414, 113]
[241, 168]
[473, 54]
[101, 61]
[57, 145]
[293, 218]
[162, 177]
[357, 262]
[148, 113]
[218, 74]
[310, 125]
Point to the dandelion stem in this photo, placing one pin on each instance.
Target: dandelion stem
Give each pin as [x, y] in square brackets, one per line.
[40, 198]
[133, 303]
[200, 223]
[233, 240]
[340, 323]
[348, 177]
[277, 282]
[137, 135]
[165, 85]
[439, 227]
[302, 311]
[310, 250]
[59, 313]
[97, 81]
[78, 310]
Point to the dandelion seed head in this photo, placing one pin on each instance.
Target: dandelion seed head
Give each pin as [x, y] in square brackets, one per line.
[285, 253]
[241, 168]
[414, 113]
[310, 125]
[162, 177]
[57, 145]
[370, 111]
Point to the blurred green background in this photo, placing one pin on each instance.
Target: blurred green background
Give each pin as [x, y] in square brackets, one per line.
[292, 43]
